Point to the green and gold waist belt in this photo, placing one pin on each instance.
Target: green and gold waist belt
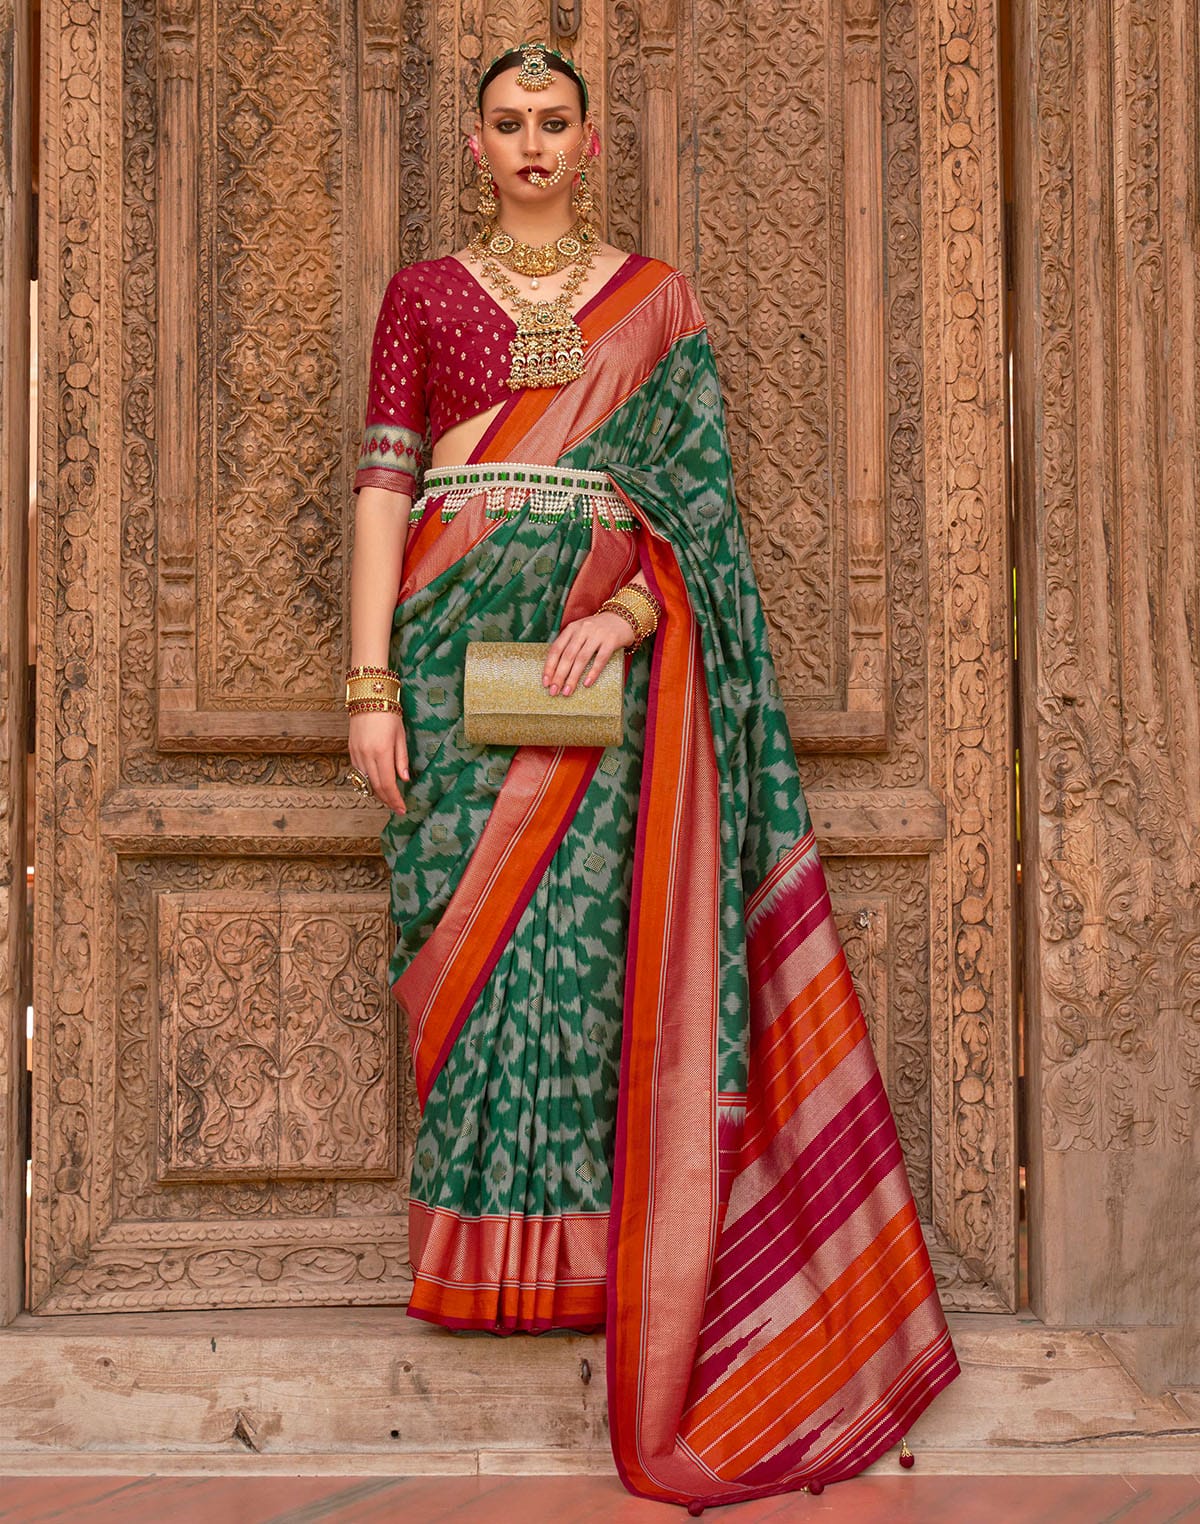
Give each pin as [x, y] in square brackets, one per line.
[511, 487]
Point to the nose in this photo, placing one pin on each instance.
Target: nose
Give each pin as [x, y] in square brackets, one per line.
[531, 145]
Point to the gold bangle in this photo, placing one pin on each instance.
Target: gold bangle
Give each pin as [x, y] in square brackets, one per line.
[643, 598]
[373, 706]
[648, 596]
[611, 606]
[640, 611]
[372, 688]
[373, 672]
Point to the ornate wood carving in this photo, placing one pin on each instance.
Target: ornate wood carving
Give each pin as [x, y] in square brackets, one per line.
[971, 934]
[250, 569]
[14, 494]
[1110, 609]
[277, 1043]
[865, 417]
[124, 820]
[624, 107]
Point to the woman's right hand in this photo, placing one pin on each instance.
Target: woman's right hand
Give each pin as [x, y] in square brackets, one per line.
[379, 750]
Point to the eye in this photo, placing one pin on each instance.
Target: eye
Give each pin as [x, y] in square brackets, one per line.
[507, 125]
[555, 124]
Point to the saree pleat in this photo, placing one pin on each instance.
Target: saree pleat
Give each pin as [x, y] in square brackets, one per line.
[631, 1014]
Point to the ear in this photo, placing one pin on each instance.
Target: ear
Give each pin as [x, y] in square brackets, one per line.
[594, 147]
[473, 144]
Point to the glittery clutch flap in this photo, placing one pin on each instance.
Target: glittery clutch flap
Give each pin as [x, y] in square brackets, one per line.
[505, 704]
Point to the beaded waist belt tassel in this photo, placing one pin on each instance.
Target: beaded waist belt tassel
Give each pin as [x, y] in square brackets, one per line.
[544, 492]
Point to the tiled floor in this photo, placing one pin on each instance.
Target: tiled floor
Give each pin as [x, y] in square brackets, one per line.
[586, 1500]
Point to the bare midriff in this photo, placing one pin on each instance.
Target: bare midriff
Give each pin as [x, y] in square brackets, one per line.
[456, 446]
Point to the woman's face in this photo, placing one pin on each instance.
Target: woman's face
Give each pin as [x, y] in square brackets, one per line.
[523, 130]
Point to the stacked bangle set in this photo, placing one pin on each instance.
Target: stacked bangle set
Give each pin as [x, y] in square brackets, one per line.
[640, 609]
[372, 688]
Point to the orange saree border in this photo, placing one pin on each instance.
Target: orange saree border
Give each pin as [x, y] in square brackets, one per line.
[507, 1272]
[656, 1286]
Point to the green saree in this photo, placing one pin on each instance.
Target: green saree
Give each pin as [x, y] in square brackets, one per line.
[649, 1101]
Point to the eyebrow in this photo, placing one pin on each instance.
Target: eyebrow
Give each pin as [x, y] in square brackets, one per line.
[558, 110]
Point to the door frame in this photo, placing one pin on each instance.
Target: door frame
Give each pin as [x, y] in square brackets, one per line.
[15, 971]
[965, 461]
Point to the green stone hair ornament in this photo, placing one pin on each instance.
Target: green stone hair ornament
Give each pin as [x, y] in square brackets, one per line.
[535, 72]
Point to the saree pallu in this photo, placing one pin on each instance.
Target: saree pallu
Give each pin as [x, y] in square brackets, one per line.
[649, 1100]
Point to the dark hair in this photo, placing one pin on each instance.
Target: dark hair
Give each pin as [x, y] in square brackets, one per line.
[515, 58]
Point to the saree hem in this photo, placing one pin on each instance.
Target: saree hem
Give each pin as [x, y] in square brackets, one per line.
[520, 1309]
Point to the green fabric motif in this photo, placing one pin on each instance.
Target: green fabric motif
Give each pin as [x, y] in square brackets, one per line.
[521, 1117]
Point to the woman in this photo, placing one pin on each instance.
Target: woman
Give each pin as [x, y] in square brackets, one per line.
[649, 1102]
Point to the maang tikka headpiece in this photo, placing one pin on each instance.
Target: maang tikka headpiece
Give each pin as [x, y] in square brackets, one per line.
[534, 73]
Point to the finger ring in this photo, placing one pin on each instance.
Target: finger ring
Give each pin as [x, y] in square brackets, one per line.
[360, 783]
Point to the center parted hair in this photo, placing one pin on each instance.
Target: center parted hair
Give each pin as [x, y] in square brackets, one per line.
[533, 58]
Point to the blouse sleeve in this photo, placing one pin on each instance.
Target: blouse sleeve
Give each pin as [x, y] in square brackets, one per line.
[395, 422]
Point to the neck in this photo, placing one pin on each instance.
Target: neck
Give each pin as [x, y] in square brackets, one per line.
[536, 224]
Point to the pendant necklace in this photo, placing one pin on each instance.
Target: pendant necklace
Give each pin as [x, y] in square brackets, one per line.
[547, 348]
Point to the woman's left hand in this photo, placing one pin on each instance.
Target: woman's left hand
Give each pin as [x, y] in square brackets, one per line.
[581, 650]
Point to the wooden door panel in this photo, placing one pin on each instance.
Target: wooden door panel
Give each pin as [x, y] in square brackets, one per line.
[223, 1108]
[276, 1045]
[258, 158]
[223, 1127]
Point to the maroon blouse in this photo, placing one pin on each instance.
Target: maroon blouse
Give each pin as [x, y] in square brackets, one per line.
[440, 356]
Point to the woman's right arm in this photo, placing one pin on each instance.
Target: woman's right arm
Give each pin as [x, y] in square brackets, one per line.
[377, 743]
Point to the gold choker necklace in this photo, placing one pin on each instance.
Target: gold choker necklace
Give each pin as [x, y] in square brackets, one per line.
[535, 260]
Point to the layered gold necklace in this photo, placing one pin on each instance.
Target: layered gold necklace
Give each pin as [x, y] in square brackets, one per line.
[547, 348]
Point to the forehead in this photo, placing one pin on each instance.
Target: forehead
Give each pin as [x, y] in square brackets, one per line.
[505, 94]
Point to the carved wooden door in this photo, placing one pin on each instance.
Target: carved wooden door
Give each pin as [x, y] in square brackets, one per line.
[222, 1114]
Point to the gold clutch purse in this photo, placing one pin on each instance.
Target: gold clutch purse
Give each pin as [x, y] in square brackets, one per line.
[504, 703]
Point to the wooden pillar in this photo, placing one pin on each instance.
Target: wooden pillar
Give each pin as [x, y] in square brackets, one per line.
[866, 455]
[14, 508]
[178, 381]
[1107, 387]
[660, 135]
[382, 34]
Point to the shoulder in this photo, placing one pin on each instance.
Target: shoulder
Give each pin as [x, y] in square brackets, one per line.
[671, 291]
[416, 282]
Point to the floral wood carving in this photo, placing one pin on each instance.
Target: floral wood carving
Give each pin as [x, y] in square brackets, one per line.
[276, 1039]
[970, 581]
[272, 298]
[1111, 717]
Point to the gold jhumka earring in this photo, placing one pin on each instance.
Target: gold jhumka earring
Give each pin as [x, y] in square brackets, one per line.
[583, 203]
[487, 191]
